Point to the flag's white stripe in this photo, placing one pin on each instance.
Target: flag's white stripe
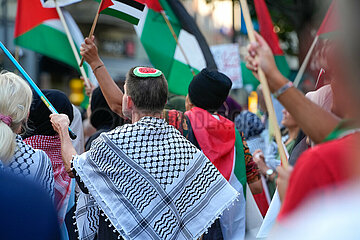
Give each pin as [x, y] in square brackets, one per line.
[139, 28]
[61, 3]
[75, 33]
[127, 9]
[78, 40]
[192, 51]
[56, 24]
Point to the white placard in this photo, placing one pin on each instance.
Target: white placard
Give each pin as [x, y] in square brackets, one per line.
[227, 58]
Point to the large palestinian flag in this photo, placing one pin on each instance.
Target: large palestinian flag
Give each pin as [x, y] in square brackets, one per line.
[161, 46]
[267, 31]
[39, 29]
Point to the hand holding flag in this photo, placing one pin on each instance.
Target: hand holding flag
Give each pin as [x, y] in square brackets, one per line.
[89, 52]
[127, 10]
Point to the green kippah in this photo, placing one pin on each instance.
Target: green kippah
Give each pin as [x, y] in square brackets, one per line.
[146, 72]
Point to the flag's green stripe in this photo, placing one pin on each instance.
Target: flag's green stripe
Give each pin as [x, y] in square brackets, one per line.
[56, 45]
[240, 165]
[180, 78]
[121, 15]
[249, 79]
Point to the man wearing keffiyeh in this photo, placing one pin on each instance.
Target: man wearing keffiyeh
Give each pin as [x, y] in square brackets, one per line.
[147, 179]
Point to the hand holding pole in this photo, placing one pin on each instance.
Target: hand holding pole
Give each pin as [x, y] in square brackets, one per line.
[265, 88]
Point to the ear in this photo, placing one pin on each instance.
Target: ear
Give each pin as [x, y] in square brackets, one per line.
[130, 103]
[188, 104]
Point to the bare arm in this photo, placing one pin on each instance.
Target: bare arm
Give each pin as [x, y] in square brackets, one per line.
[111, 91]
[312, 119]
[60, 123]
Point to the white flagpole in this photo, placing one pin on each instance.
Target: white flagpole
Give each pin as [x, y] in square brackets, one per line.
[71, 41]
[305, 62]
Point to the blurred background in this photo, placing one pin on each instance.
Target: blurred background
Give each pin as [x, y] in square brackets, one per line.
[295, 22]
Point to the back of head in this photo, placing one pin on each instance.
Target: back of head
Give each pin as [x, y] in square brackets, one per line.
[147, 88]
[15, 100]
[101, 114]
[249, 124]
[39, 121]
[209, 89]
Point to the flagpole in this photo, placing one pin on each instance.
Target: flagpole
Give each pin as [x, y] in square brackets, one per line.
[93, 28]
[265, 88]
[17, 53]
[177, 41]
[305, 62]
[71, 41]
[33, 85]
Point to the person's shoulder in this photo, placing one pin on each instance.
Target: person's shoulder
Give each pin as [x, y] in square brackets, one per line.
[41, 154]
[118, 134]
[332, 153]
[333, 148]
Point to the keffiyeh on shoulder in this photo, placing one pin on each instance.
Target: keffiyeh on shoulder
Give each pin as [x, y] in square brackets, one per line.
[152, 183]
[33, 164]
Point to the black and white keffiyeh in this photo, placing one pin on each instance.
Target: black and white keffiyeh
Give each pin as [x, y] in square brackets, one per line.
[152, 183]
[32, 164]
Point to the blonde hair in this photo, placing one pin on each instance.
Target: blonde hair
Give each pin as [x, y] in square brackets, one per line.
[15, 101]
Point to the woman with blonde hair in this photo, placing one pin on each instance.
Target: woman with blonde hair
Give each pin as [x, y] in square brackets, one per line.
[15, 155]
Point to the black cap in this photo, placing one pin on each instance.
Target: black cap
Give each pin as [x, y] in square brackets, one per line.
[209, 89]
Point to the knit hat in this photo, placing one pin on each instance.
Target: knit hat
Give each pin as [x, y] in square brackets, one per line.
[249, 124]
[39, 121]
[208, 89]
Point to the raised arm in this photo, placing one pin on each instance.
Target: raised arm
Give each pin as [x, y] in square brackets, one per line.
[60, 123]
[111, 91]
[312, 119]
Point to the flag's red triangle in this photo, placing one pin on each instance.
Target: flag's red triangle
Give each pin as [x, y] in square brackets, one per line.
[30, 13]
[330, 22]
[105, 4]
[152, 4]
[267, 27]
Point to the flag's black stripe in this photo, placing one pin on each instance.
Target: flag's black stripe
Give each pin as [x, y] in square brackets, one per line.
[134, 4]
[188, 23]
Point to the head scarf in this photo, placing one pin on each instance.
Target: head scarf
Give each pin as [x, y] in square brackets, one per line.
[39, 121]
[248, 123]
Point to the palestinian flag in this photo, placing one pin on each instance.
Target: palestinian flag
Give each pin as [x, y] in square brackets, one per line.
[267, 31]
[39, 29]
[127, 10]
[222, 144]
[315, 64]
[330, 23]
[161, 46]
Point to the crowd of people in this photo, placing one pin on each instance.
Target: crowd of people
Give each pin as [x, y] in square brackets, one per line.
[147, 165]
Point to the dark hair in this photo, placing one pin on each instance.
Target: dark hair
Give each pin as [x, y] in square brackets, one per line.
[148, 93]
[101, 114]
